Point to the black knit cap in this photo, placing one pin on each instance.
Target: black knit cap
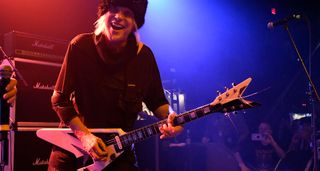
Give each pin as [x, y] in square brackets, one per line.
[138, 7]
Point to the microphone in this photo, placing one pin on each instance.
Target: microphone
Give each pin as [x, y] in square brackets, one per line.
[283, 21]
[5, 75]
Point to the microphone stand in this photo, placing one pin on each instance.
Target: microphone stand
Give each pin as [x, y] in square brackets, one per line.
[313, 90]
[4, 141]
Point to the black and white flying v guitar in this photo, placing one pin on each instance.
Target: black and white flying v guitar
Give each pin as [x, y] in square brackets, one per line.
[230, 100]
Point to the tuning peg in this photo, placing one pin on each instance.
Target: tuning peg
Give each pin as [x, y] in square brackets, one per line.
[233, 85]
[218, 92]
[227, 94]
[226, 88]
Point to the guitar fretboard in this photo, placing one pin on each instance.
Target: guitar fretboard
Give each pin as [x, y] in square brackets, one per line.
[153, 129]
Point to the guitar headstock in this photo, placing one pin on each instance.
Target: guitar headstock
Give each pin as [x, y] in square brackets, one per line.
[231, 99]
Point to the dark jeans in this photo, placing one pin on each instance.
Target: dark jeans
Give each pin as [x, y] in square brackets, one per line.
[62, 160]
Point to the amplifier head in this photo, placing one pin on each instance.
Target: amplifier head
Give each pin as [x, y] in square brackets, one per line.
[31, 46]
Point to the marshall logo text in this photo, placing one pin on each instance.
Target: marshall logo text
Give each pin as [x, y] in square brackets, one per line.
[40, 162]
[43, 87]
[42, 45]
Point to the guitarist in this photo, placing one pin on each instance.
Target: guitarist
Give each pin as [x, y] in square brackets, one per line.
[104, 78]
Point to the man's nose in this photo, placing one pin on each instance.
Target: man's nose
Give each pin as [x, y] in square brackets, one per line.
[118, 16]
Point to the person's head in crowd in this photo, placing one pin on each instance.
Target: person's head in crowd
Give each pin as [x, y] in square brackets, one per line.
[302, 135]
[265, 130]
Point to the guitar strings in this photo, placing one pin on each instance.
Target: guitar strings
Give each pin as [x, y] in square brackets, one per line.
[258, 92]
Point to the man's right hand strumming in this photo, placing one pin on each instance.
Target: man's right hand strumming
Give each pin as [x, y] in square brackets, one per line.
[92, 144]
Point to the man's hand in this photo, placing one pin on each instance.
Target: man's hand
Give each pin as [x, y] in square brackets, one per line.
[11, 88]
[168, 130]
[94, 146]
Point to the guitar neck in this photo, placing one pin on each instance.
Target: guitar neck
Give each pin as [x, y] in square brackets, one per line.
[143, 133]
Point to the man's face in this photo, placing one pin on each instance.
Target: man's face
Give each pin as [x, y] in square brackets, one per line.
[120, 23]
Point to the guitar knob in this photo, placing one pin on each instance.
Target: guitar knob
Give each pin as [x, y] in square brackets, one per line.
[241, 105]
[233, 84]
[233, 108]
[224, 109]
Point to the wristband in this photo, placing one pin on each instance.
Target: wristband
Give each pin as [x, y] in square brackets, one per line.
[88, 141]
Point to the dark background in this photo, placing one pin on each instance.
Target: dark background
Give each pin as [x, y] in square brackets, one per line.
[202, 46]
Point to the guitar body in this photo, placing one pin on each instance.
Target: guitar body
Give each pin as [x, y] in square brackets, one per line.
[64, 138]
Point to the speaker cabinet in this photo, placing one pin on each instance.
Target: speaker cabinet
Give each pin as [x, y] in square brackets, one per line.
[29, 152]
[33, 102]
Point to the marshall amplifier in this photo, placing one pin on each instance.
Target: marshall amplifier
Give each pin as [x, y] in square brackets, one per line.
[38, 59]
[30, 46]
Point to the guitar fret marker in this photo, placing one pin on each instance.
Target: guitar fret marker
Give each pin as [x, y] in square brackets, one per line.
[125, 141]
[149, 130]
[134, 136]
[206, 110]
[180, 120]
[140, 135]
[193, 115]
[129, 138]
[118, 142]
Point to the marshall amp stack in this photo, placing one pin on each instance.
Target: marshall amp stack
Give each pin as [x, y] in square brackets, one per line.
[38, 59]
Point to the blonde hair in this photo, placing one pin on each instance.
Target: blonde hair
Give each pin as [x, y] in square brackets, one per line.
[101, 26]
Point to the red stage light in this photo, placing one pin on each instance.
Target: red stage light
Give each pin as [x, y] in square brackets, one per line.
[273, 11]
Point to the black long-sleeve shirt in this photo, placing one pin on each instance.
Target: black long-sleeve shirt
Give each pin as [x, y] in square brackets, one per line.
[107, 88]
